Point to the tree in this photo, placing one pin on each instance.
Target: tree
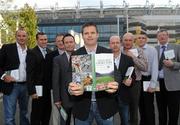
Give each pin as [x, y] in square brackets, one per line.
[25, 17]
[28, 19]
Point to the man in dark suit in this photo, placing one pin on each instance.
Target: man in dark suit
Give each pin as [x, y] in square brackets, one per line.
[13, 79]
[48, 76]
[89, 105]
[122, 63]
[169, 77]
[59, 78]
[41, 102]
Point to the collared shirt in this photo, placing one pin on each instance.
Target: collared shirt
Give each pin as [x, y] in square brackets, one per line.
[93, 97]
[140, 62]
[91, 51]
[60, 52]
[117, 60]
[161, 72]
[67, 54]
[43, 51]
[21, 71]
[152, 57]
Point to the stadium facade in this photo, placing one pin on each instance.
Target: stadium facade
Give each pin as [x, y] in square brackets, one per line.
[111, 20]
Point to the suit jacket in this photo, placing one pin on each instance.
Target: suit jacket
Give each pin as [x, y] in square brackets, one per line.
[106, 102]
[120, 71]
[35, 70]
[9, 60]
[59, 80]
[49, 65]
[172, 75]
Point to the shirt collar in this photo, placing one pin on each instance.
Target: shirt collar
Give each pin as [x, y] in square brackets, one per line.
[90, 51]
[19, 46]
[163, 45]
[145, 46]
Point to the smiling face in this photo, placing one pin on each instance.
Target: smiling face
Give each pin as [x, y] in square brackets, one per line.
[115, 44]
[128, 40]
[59, 42]
[69, 44]
[163, 37]
[21, 37]
[42, 41]
[90, 35]
[141, 40]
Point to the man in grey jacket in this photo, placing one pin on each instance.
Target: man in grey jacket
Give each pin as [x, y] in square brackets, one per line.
[169, 77]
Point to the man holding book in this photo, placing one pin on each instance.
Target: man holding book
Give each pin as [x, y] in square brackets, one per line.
[88, 106]
[149, 79]
[123, 64]
[140, 64]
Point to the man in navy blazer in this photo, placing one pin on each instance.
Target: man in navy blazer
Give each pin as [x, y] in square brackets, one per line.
[13, 78]
[87, 106]
[59, 78]
[41, 103]
[48, 76]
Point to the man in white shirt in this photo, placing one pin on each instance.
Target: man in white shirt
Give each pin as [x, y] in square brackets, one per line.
[13, 76]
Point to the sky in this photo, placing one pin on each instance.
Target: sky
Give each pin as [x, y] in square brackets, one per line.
[72, 3]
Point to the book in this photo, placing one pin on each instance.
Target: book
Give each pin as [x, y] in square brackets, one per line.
[93, 71]
[146, 85]
[129, 72]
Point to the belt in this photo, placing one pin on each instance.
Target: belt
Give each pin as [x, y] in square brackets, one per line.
[20, 82]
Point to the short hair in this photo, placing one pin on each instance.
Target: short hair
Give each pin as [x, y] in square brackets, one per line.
[87, 25]
[38, 34]
[67, 35]
[59, 34]
[20, 29]
[162, 30]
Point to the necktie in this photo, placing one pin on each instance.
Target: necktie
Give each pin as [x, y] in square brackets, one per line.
[162, 57]
[44, 52]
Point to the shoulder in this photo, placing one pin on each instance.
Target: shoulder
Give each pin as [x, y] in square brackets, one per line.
[10, 45]
[80, 51]
[103, 49]
[125, 57]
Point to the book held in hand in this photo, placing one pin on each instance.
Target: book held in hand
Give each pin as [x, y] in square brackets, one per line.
[94, 71]
[129, 72]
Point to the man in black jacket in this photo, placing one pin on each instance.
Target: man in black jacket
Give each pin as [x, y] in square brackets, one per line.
[122, 63]
[13, 78]
[89, 105]
[41, 102]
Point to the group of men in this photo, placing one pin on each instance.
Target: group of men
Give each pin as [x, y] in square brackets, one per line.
[41, 74]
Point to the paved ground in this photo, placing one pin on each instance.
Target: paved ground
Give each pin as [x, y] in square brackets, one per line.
[117, 120]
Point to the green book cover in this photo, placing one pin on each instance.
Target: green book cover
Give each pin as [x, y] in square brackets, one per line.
[94, 71]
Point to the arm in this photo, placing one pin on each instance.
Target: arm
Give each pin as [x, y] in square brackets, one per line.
[56, 80]
[140, 61]
[30, 69]
[154, 71]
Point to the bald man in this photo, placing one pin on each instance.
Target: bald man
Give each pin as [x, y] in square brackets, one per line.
[140, 63]
[122, 63]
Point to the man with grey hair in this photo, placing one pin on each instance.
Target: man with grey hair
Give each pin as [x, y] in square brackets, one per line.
[141, 64]
[169, 72]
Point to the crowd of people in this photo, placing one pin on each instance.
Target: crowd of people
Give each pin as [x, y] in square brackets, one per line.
[45, 77]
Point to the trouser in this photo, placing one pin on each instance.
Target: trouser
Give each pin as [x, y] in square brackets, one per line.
[134, 102]
[168, 105]
[146, 105]
[41, 110]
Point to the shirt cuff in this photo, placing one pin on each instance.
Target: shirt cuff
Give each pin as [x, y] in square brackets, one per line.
[2, 77]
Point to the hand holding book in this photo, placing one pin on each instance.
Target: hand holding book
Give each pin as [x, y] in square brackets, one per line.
[76, 89]
[112, 87]
[127, 81]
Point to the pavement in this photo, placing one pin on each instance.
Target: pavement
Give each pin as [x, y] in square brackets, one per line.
[116, 120]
